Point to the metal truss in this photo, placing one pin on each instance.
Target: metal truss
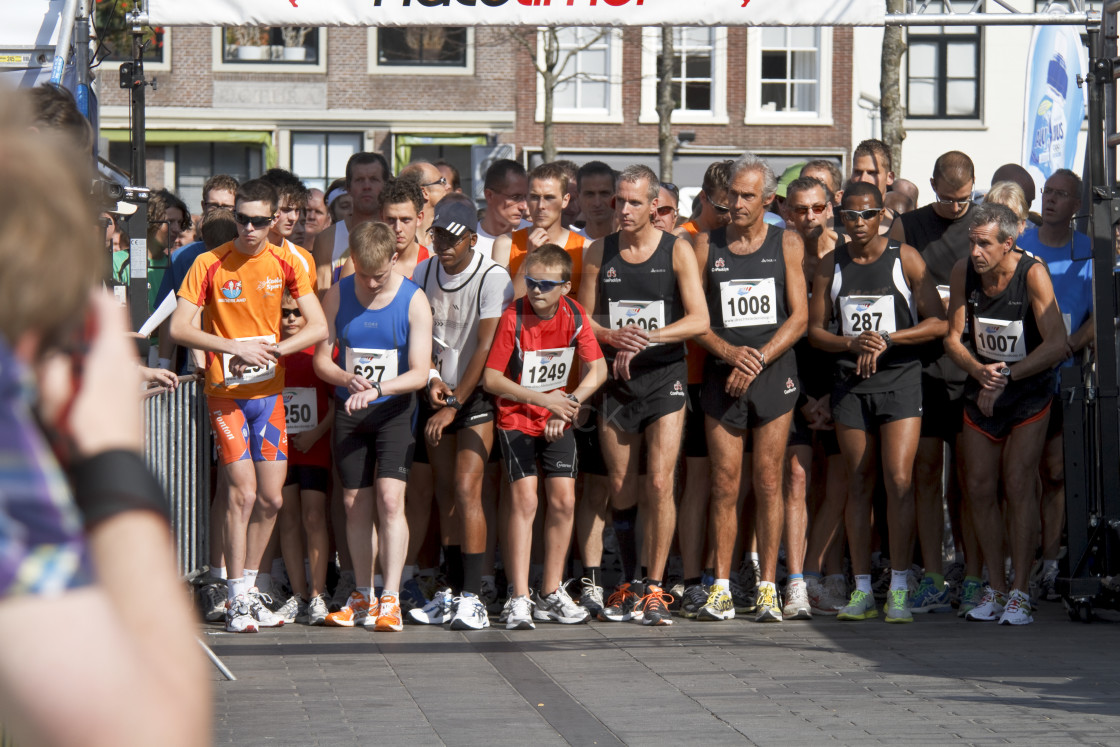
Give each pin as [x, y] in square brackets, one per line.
[972, 13]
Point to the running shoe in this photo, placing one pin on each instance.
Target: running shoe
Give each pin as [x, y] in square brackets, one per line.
[1043, 583]
[954, 579]
[239, 617]
[591, 597]
[1017, 611]
[972, 591]
[352, 614]
[503, 616]
[293, 610]
[317, 610]
[767, 603]
[488, 593]
[828, 596]
[654, 606]
[695, 597]
[557, 607]
[990, 608]
[676, 591]
[259, 607]
[797, 606]
[745, 597]
[861, 606]
[470, 613]
[212, 599]
[412, 596]
[389, 618]
[930, 598]
[897, 608]
[437, 611]
[346, 586]
[718, 606]
[519, 614]
[621, 604]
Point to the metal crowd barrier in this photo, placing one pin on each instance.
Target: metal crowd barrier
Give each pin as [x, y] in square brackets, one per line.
[177, 447]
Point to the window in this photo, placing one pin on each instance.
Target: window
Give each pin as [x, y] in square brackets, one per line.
[421, 50]
[270, 49]
[114, 37]
[943, 71]
[318, 158]
[590, 88]
[699, 82]
[789, 75]
[197, 162]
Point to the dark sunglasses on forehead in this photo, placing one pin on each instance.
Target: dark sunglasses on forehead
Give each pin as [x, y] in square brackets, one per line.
[258, 221]
[666, 210]
[544, 286]
[804, 209]
[285, 313]
[854, 215]
[672, 188]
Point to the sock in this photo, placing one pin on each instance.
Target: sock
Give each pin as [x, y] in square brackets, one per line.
[652, 582]
[937, 579]
[709, 576]
[754, 557]
[453, 554]
[694, 581]
[250, 579]
[594, 573]
[795, 579]
[900, 579]
[624, 533]
[366, 591]
[723, 583]
[767, 583]
[234, 587]
[812, 575]
[221, 570]
[472, 572]
[409, 573]
[490, 577]
[863, 583]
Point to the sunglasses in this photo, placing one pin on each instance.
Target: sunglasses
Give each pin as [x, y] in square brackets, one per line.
[854, 215]
[804, 209]
[442, 181]
[721, 209]
[672, 188]
[285, 313]
[952, 201]
[1061, 194]
[544, 286]
[666, 210]
[258, 221]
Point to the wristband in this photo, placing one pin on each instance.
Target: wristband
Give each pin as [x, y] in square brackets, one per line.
[113, 482]
[432, 375]
[762, 358]
[574, 398]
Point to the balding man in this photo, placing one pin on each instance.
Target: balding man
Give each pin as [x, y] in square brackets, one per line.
[434, 185]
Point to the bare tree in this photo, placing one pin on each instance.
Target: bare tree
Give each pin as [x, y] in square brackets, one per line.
[666, 143]
[551, 65]
[890, 99]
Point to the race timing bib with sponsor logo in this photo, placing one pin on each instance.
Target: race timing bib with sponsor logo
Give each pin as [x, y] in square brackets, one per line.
[252, 374]
[301, 409]
[749, 303]
[999, 339]
[545, 370]
[372, 364]
[649, 315]
[446, 361]
[860, 314]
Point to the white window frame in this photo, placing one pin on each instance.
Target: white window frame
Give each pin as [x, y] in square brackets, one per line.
[219, 65]
[717, 115]
[374, 68]
[611, 115]
[755, 114]
[163, 65]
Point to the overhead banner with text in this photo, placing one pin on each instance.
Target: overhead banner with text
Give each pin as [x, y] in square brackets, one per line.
[515, 13]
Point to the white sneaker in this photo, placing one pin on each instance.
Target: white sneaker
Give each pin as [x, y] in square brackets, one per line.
[317, 610]
[990, 607]
[470, 613]
[591, 598]
[797, 605]
[1017, 611]
[519, 614]
[239, 617]
[437, 611]
[827, 596]
[258, 608]
[294, 610]
[558, 607]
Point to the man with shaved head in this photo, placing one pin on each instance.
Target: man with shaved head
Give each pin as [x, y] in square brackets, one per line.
[434, 185]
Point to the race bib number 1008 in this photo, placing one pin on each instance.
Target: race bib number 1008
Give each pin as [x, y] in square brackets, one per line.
[749, 303]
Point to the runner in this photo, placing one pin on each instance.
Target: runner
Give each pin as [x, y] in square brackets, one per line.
[366, 176]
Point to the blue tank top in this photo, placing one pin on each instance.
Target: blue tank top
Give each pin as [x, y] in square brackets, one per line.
[373, 344]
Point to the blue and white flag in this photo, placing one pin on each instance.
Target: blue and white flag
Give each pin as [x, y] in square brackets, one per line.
[1054, 105]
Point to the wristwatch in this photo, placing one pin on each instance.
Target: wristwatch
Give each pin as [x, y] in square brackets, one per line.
[573, 398]
[453, 402]
[1005, 372]
[377, 386]
[886, 338]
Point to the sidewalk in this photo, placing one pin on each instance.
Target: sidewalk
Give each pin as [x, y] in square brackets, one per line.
[938, 680]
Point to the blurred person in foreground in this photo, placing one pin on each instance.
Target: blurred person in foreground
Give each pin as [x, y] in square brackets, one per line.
[69, 377]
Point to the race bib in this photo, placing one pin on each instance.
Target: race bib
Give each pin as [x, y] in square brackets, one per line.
[545, 370]
[446, 361]
[860, 314]
[749, 303]
[649, 315]
[371, 364]
[998, 339]
[301, 409]
[943, 291]
[252, 374]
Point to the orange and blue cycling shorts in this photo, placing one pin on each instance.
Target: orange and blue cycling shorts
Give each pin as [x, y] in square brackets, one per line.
[249, 428]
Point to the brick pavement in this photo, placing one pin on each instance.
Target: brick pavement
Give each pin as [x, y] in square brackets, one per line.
[939, 680]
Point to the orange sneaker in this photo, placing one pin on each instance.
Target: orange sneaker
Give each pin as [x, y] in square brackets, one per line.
[389, 615]
[355, 612]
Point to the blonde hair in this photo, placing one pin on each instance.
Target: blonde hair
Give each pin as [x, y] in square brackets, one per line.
[1009, 194]
[372, 245]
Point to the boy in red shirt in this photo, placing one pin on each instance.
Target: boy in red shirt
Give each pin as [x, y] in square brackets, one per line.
[539, 339]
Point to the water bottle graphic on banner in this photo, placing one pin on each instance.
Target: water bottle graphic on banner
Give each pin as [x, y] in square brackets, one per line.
[1048, 148]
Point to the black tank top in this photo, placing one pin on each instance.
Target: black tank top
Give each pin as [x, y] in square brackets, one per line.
[747, 292]
[643, 293]
[875, 297]
[1003, 328]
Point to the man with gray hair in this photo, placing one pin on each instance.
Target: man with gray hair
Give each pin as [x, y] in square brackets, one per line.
[757, 303]
[1002, 299]
[641, 289]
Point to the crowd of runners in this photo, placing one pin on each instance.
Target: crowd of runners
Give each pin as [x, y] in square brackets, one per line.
[797, 396]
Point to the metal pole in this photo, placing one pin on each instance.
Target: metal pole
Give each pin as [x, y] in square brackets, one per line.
[65, 34]
[81, 58]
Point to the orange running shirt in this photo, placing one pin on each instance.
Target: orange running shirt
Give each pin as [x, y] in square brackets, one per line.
[691, 227]
[305, 258]
[574, 247]
[241, 296]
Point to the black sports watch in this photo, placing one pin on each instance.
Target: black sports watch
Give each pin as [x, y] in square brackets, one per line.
[453, 402]
[886, 338]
